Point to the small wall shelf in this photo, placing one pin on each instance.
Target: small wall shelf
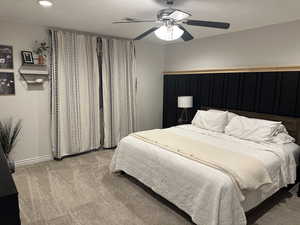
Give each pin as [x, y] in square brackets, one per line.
[34, 74]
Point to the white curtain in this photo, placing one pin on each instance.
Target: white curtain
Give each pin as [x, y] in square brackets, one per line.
[75, 98]
[119, 89]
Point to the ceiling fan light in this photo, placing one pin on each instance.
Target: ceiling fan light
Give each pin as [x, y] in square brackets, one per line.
[45, 3]
[169, 33]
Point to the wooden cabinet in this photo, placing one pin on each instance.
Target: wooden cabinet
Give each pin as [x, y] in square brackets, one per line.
[9, 205]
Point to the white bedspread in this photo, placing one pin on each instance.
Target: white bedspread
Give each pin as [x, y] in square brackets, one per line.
[211, 198]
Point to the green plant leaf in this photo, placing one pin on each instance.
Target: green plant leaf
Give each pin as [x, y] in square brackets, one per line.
[8, 134]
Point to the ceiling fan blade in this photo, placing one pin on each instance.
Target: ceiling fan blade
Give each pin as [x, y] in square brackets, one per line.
[178, 15]
[201, 23]
[135, 21]
[186, 35]
[146, 33]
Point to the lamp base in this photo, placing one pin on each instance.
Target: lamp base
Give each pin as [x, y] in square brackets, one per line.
[183, 119]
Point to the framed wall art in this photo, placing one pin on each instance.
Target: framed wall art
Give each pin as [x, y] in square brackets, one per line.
[7, 83]
[6, 57]
[27, 57]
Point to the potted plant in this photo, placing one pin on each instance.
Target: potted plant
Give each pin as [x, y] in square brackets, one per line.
[41, 51]
[8, 139]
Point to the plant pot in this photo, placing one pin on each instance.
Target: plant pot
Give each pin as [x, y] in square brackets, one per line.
[41, 60]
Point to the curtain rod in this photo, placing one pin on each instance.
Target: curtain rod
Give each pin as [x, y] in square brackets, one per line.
[89, 33]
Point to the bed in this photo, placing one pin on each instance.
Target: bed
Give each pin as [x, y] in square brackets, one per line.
[205, 193]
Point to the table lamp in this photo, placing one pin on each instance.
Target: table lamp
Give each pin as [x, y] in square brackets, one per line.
[184, 103]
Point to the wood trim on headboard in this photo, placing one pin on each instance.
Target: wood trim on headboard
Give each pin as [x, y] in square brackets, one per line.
[235, 70]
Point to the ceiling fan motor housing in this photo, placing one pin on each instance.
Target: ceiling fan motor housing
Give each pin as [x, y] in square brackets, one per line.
[164, 14]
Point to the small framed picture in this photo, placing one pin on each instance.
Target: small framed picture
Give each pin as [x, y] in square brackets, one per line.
[6, 57]
[27, 57]
[7, 84]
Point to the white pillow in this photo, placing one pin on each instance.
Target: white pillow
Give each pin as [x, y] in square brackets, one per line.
[282, 138]
[211, 120]
[230, 115]
[281, 129]
[252, 129]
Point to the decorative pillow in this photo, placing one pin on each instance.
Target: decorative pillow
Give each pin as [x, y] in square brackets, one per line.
[281, 129]
[230, 115]
[282, 138]
[252, 129]
[211, 120]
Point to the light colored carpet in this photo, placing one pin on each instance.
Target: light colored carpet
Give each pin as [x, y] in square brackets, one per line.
[81, 191]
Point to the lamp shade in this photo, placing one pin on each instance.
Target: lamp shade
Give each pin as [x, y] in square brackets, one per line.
[169, 33]
[185, 101]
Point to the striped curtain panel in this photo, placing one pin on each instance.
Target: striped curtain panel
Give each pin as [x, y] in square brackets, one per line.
[75, 101]
[119, 89]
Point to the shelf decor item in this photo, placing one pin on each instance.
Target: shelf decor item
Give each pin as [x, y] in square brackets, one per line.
[6, 57]
[9, 132]
[27, 57]
[41, 51]
[34, 75]
[7, 83]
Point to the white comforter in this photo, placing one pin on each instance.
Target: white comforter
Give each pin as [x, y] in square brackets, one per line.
[206, 194]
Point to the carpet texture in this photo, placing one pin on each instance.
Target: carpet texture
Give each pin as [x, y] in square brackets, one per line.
[81, 191]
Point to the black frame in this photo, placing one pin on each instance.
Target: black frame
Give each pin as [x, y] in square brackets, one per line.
[25, 60]
[7, 78]
[3, 54]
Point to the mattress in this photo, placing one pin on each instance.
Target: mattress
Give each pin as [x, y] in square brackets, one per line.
[203, 192]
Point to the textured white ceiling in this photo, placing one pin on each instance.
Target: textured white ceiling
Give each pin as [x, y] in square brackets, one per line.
[97, 15]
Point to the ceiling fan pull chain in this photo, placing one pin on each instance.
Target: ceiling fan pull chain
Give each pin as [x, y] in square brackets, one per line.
[170, 3]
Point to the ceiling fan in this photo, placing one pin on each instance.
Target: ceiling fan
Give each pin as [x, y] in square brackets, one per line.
[170, 22]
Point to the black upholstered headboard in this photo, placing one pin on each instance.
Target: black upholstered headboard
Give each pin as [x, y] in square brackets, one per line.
[269, 95]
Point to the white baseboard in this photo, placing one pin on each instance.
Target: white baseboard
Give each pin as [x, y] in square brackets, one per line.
[34, 160]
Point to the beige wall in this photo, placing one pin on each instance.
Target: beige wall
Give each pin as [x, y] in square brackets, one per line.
[276, 45]
[33, 106]
[30, 106]
[150, 62]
